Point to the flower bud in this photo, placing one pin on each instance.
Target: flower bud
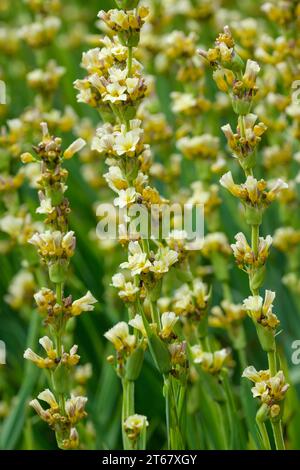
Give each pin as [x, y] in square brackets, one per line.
[74, 148]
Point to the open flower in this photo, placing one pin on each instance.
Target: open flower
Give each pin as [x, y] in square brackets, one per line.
[127, 289]
[48, 397]
[210, 362]
[126, 198]
[45, 207]
[168, 321]
[115, 179]
[138, 324]
[244, 254]
[270, 390]
[54, 244]
[115, 93]
[126, 143]
[75, 408]
[120, 337]
[134, 425]
[164, 259]
[47, 344]
[251, 72]
[137, 260]
[84, 304]
[253, 192]
[74, 148]
[261, 309]
[42, 363]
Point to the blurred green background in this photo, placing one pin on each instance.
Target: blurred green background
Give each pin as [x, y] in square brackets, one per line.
[19, 381]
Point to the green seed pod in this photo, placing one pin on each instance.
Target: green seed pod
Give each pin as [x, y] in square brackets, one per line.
[263, 413]
[256, 279]
[61, 378]
[237, 63]
[58, 271]
[248, 162]
[253, 215]
[55, 196]
[160, 352]
[241, 106]
[266, 337]
[134, 364]
[133, 39]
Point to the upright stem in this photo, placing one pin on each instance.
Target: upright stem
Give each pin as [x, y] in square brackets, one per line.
[276, 427]
[127, 409]
[59, 296]
[272, 362]
[264, 434]
[155, 314]
[278, 436]
[129, 60]
[241, 120]
[59, 333]
[174, 410]
[255, 238]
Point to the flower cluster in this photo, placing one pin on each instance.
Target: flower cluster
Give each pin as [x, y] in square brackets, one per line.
[112, 81]
[63, 424]
[239, 81]
[244, 255]
[254, 195]
[230, 74]
[56, 246]
[260, 310]
[269, 389]
[135, 425]
[210, 362]
[127, 23]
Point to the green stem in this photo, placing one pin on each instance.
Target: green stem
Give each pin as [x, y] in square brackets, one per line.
[129, 61]
[174, 409]
[58, 338]
[127, 410]
[255, 238]
[278, 436]
[241, 120]
[145, 246]
[264, 434]
[254, 246]
[59, 297]
[155, 314]
[272, 362]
